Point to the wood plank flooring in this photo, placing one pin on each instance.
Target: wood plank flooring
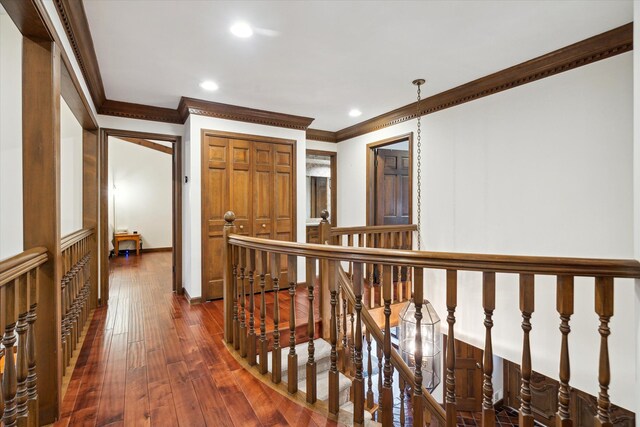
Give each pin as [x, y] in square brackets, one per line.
[150, 358]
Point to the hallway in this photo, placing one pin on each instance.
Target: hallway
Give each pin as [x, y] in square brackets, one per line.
[151, 359]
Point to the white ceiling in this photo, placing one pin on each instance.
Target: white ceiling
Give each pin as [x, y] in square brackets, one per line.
[322, 58]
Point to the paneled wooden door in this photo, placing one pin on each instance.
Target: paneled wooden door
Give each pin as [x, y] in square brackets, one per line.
[255, 178]
[468, 374]
[392, 187]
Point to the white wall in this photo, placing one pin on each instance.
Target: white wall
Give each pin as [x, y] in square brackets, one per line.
[192, 247]
[10, 138]
[321, 145]
[70, 171]
[542, 169]
[143, 188]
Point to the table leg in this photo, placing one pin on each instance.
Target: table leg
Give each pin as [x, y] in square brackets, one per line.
[138, 246]
[115, 247]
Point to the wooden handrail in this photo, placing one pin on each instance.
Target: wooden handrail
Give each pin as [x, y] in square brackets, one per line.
[67, 241]
[16, 266]
[373, 229]
[396, 360]
[517, 264]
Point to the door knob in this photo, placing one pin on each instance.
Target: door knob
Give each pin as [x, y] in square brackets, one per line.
[264, 225]
[242, 227]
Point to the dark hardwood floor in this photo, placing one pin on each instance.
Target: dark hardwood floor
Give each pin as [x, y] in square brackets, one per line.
[150, 358]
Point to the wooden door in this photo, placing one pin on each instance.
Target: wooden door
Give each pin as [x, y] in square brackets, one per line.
[392, 187]
[214, 205]
[468, 374]
[241, 185]
[284, 199]
[262, 190]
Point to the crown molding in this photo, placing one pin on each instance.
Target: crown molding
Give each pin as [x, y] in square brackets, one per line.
[74, 20]
[130, 110]
[602, 46]
[242, 114]
[321, 135]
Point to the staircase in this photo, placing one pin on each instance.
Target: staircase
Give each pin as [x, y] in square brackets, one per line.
[322, 356]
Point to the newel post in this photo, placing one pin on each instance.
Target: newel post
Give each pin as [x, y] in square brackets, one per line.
[324, 237]
[227, 275]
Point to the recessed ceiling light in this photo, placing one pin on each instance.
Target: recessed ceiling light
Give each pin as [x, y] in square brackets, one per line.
[241, 29]
[355, 112]
[209, 85]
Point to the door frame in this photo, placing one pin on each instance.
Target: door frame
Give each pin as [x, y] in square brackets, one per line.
[204, 167]
[333, 214]
[176, 203]
[371, 174]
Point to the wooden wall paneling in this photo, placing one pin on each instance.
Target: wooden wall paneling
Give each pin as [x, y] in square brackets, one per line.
[90, 192]
[41, 206]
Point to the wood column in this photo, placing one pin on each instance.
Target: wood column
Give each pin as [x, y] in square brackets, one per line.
[324, 237]
[90, 191]
[41, 206]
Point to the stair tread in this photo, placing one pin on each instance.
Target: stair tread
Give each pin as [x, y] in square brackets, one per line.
[322, 384]
[322, 351]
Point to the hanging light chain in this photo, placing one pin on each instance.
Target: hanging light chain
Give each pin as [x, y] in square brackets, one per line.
[419, 83]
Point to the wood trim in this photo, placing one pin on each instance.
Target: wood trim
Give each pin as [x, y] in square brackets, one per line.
[190, 299]
[131, 110]
[177, 174]
[242, 114]
[41, 65]
[596, 48]
[371, 178]
[90, 203]
[333, 214]
[74, 20]
[246, 137]
[321, 135]
[148, 144]
[16, 266]
[145, 250]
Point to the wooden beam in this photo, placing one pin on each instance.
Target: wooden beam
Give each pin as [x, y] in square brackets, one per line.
[130, 110]
[90, 191]
[41, 207]
[148, 144]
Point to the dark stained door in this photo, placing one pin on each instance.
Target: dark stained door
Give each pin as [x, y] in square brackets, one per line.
[392, 187]
[468, 376]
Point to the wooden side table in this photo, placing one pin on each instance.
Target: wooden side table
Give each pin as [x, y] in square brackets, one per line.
[121, 237]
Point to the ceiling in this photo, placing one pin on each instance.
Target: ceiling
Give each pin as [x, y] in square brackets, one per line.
[322, 58]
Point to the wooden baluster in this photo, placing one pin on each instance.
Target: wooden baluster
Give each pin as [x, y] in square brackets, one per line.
[604, 309]
[526, 307]
[450, 395]
[32, 378]
[352, 353]
[276, 352]
[251, 346]
[64, 314]
[262, 271]
[229, 272]
[370, 401]
[358, 381]
[350, 243]
[236, 301]
[345, 335]
[292, 366]
[489, 304]
[311, 329]
[379, 357]
[9, 376]
[418, 299]
[334, 389]
[387, 391]
[401, 386]
[22, 361]
[564, 305]
[242, 297]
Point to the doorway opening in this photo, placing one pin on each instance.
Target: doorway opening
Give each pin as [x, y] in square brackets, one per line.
[140, 200]
[390, 181]
[322, 185]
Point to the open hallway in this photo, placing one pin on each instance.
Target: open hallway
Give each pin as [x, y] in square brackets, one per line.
[149, 358]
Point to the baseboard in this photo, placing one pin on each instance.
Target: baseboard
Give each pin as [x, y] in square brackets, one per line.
[145, 250]
[191, 301]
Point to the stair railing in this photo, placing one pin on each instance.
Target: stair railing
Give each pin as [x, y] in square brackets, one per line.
[19, 288]
[422, 407]
[76, 289]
